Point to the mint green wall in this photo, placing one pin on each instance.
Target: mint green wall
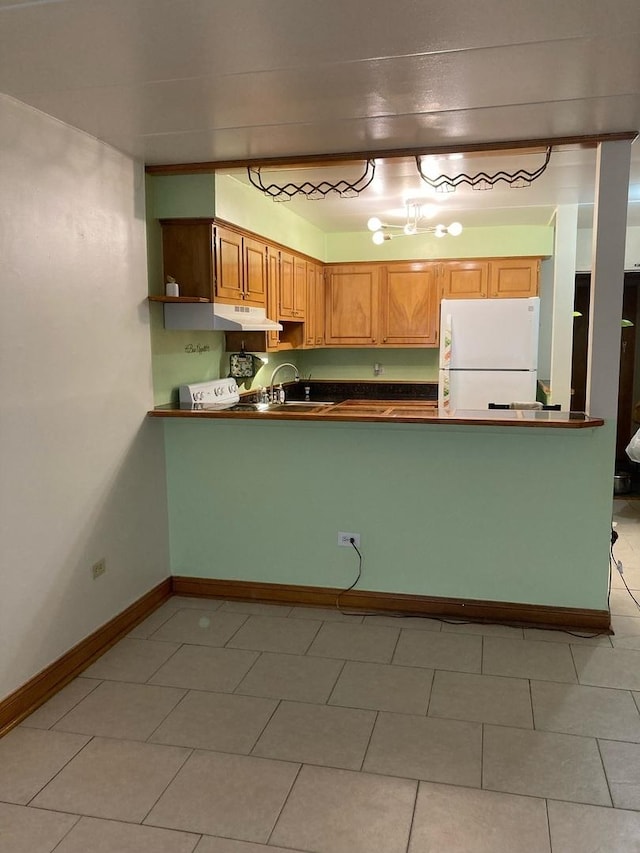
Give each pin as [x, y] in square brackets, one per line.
[417, 365]
[248, 208]
[505, 241]
[502, 514]
[181, 195]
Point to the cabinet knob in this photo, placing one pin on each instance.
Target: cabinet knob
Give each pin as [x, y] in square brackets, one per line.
[384, 340]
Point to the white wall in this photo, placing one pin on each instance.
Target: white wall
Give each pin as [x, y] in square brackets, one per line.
[81, 468]
[585, 247]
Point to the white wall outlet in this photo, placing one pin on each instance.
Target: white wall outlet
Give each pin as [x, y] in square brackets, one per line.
[344, 539]
[98, 568]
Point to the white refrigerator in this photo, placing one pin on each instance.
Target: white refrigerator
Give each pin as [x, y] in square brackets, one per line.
[488, 352]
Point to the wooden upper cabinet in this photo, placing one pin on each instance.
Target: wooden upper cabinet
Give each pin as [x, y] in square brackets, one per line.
[351, 300]
[187, 256]
[273, 288]
[255, 271]
[409, 305]
[465, 279]
[241, 268]
[229, 266]
[314, 312]
[293, 286]
[513, 277]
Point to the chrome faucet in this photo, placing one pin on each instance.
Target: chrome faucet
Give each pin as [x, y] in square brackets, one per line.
[273, 376]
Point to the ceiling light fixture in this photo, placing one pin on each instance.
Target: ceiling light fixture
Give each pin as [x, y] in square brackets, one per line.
[416, 213]
[286, 192]
[483, 181]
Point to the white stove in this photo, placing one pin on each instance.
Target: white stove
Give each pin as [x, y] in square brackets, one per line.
[216, 394]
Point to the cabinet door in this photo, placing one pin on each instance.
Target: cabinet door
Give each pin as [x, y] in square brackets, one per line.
[273, 287]
[465, 279]
[351, 316]
[318, 308]
[286, 305]
[409, 305]
[310, 318]
[187, 256]
[229, 266]
[255, 271]
[513, 277]
[299, 288]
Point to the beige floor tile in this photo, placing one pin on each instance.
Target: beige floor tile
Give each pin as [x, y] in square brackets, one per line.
[590, 829]
[275, 634]
[608, 667]
[462, 653]
[622, 766]
[205, 668]
[118, 779]
[29, 758]
[420, 623]
[235, 796]
[92, 835]
[484, 630]
[528, 659]
[121, 710]
[338, 811]
[627, 632]
[485, 822]
[541, 764]
[200, 627]
[25, 830]
[581, 710]
[325, 614]
[131, 660]
[218, 721]
[317, 734]
[256, 608]
[572, 638]
[621, 604]
[383, 687]
[299, 677]
[481, 698]
[209, 844]
[426, 748]
[368, 643]
[58, 705]
[154, 621]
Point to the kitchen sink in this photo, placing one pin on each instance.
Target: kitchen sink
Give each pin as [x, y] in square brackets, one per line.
[287, 406]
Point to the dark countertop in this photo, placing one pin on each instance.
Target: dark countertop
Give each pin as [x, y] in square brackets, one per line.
[389, 411]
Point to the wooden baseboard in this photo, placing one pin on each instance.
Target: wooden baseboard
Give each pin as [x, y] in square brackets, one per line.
[506, 613]
[42, 686]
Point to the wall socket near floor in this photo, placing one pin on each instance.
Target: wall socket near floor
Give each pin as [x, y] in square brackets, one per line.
[344, 539]
[98, 568]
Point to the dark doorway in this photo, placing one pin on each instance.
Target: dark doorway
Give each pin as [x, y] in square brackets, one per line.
[626, 424]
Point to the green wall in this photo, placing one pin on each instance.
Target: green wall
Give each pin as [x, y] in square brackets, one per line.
[416, 365]
[504, 514]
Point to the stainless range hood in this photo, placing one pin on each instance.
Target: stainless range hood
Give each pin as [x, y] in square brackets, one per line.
[217, 317]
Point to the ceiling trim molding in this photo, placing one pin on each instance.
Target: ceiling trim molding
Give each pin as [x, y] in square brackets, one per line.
[529, 146]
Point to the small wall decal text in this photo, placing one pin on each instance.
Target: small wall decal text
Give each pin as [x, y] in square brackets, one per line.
[197, 348]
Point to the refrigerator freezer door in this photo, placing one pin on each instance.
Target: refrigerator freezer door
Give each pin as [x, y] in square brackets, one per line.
[491, 334]
[475, 389]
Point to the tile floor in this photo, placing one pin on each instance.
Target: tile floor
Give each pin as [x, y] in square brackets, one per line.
[222, 727]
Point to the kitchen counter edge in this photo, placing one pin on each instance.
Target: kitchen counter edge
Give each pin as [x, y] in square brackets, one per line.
[501, 418]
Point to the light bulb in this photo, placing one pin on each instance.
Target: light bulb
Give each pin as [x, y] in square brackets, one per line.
[378, 238]
[409, 229]
[374, 224]
[440, 230]
[455, 229]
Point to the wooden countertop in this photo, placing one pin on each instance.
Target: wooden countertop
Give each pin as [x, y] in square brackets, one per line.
[391, 411]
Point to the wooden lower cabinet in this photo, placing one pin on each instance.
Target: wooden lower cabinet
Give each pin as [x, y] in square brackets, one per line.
[409, 305]
[351, 305]
[511, 278]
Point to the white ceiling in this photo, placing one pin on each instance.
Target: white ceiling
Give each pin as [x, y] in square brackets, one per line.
[183, 81]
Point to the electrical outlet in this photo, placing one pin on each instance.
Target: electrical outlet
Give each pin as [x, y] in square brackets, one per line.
[98, 568]
[344, 539]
